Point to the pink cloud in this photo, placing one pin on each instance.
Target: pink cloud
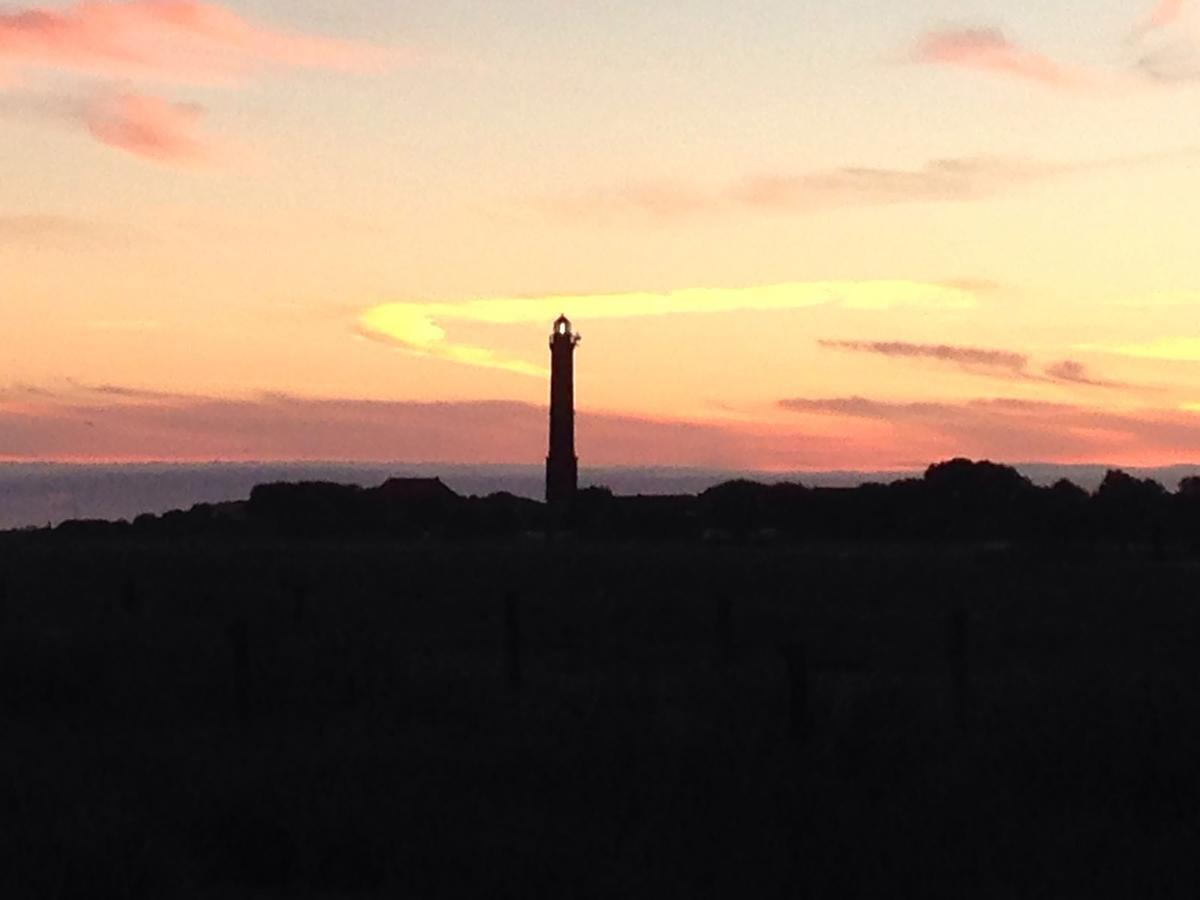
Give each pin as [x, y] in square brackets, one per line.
[149, 127]
[110, 422]
[118, 423]
[1167, 12]
[180, 40]
[1012, 429]
[989, 50]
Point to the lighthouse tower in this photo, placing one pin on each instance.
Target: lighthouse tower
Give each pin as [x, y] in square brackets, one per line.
[562, 465]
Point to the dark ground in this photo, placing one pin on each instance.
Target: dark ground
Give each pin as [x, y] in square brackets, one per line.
[376, 745]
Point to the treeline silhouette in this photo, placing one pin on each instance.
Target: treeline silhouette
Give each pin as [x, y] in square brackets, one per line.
[955, 500]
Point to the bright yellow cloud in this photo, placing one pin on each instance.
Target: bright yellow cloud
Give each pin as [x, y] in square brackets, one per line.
[415, 326]
[416, 331]
[1174, 349]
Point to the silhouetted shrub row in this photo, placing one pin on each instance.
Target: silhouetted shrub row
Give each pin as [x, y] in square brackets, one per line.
[955, 500]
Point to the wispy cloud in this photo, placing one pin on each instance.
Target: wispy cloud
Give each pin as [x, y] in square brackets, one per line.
[861, 407]
[967, 356]
[1072, 371]
[940, 179]
[989, 50]
[141, 124]
[955, 179]
[1172, 56]
[150, 127]
[419, 327]
[125, 392]
[994, 363]
[1166, 13]
[186, 41]
[176, 41]
[1013, 429]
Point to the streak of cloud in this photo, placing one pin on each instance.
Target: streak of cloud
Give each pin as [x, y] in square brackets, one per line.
[955, 179]
[141, 124]
[968, 356]
[178, 40]
[993, 363]
[1166, 13]
[150, 127]
[1072, 371]
[1010, 428]
[938, 180]
[418, 327]
[989, 50]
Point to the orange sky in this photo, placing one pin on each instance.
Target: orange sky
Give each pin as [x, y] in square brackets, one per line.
[867, 237]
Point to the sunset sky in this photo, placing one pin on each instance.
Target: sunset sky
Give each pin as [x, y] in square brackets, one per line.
[856, 234]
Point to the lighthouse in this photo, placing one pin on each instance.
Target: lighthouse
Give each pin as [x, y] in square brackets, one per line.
[562, 465]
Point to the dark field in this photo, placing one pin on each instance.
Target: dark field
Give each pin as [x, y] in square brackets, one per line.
[980, 722]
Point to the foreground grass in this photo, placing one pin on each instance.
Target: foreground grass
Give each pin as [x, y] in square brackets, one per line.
[386, 752]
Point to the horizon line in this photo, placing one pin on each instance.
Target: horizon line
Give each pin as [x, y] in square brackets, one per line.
[155, 461]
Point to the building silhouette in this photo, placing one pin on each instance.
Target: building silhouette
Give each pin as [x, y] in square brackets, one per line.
[562, 465]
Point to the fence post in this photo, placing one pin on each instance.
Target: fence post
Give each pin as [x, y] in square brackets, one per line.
[958, 664]
[512, 641]
[797, 667]
[239, 639]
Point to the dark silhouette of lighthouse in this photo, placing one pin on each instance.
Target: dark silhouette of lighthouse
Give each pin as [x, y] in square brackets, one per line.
[562, 465]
